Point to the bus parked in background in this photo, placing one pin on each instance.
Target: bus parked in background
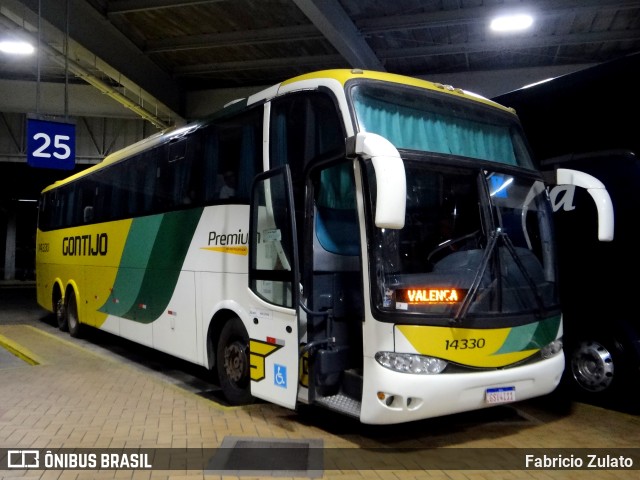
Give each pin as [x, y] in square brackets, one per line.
[374, 244]
[579, 121]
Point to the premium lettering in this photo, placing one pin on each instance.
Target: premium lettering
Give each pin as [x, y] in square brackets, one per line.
[225, 239]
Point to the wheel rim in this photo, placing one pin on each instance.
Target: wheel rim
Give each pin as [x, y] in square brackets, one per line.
[592, 366]
[235, 362]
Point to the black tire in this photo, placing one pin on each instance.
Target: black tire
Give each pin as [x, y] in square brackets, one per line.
[71, 313]
[232, 363]
[59, 312]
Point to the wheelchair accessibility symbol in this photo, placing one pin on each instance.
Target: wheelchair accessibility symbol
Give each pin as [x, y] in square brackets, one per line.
[280, 375]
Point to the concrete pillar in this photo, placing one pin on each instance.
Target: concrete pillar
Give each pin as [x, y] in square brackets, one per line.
[10, 247]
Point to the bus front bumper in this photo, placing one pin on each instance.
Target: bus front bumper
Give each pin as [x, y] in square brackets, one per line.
[393, 397]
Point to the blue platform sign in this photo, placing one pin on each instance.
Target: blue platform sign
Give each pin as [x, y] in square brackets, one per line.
[51, 144]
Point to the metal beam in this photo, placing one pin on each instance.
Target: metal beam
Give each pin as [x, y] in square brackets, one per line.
[472, 15]
[227, 39]
[96, 34]
[56, 56]
[510, 44]
[334, 23]
[118, 7]
[321, 61]
[425, 51]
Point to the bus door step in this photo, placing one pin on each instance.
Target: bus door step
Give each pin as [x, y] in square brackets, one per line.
[341, 403]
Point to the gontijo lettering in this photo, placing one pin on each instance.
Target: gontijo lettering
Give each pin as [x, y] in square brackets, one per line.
[85, 245]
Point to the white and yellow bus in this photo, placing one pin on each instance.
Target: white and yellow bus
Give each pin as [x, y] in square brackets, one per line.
[375, 244]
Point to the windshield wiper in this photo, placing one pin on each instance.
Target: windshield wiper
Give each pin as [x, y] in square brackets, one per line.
[527, 276]
[488, 253]
[477, 280]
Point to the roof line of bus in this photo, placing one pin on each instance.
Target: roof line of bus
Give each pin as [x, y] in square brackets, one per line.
[340, 75]
[344, 75]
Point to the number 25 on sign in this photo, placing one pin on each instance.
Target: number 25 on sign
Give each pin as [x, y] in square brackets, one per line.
[50, 144]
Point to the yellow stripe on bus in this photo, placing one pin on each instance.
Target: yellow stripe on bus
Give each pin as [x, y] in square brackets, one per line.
[236, 250]
[471, 347]
[88, 255]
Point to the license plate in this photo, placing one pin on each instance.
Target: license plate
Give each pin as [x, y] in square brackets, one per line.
[500, 395]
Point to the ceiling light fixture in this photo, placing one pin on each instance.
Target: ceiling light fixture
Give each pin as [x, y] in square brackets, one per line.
[511, 23]
[16, 47]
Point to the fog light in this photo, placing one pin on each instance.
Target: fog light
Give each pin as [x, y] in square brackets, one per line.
[551, 349]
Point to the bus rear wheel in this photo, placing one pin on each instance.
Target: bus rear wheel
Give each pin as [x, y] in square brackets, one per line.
[71, 313]
[58, 310]
[232, 361]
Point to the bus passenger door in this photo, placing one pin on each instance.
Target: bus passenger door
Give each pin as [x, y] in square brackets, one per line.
[273, 282]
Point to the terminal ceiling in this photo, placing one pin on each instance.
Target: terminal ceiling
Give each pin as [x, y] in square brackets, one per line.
[169, 48]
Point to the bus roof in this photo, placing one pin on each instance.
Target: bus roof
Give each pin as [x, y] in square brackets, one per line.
[155, 139]
[344, 75]
[341, 75]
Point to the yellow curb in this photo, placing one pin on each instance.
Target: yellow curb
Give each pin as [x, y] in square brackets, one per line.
[20, 351]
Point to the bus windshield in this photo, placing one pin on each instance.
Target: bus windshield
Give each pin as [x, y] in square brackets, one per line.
[426, 121]
[476, 242]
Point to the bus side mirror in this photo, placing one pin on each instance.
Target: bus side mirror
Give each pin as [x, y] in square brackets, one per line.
[599, 194]
[391, 181]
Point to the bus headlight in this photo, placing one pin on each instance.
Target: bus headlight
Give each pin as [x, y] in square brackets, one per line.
[551, 349]
[410, 363]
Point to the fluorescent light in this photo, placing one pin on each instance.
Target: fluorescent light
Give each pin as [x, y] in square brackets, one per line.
[538, 82]
[15, 47]
[511, 23]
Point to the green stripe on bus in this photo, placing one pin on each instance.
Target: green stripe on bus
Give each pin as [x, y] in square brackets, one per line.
[533, 336]
[546, 332]
[166, 260]
[134, 261]
[149, 286]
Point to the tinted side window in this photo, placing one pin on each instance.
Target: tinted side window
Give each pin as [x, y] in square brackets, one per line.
[229, 157]
[240, 155]
[303, 126]
[214, 164]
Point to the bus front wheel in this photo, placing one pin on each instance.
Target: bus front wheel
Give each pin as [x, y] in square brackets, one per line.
[232, 361]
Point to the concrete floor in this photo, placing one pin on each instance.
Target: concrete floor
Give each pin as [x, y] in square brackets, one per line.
[101, 394]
